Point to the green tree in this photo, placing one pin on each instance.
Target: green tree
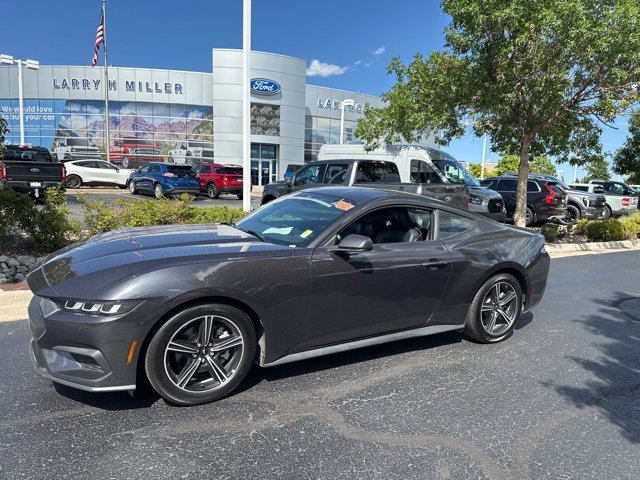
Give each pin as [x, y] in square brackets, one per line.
[3, 130]
[475, 168]
[540, 164]
[538, 76]
[597, 168]
[627, 160]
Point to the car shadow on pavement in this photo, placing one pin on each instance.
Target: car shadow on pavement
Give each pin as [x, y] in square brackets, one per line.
[615, 391]
[328, 362]
[142, 398]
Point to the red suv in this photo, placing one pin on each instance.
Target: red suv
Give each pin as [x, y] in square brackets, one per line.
[216, 178]
[134, 152]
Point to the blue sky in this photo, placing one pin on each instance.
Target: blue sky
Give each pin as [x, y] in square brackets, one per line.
[353, 41]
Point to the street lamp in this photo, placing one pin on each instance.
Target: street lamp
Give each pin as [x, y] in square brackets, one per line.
[31, 64]
[349, 102]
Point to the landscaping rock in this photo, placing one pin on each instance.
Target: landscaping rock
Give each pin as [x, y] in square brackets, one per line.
[12, 262]
[22, 269]
[4, 259]
[19, 277]
[26, 260]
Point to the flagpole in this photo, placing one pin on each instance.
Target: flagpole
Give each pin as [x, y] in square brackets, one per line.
[246, 107]
[106, 76]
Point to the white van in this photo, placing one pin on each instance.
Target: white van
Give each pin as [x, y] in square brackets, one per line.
[424, 164]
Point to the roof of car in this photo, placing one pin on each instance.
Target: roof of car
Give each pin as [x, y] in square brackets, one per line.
[25, 147]
[360, 194]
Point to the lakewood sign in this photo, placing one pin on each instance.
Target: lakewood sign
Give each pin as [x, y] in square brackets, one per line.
[264, 86]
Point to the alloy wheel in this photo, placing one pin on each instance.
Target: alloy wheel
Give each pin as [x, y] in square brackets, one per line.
[204, 354]
[499, 308]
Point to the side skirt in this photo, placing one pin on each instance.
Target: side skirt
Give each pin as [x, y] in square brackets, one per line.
[366, 342]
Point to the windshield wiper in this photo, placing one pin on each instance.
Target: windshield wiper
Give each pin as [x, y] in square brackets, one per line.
[251, 232]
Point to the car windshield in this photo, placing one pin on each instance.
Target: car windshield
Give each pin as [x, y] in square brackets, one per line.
[138, 141]
[455, 172]
[295, 220]
[79, 142]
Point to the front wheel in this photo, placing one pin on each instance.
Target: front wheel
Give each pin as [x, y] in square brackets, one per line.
[573, 215]
[201, 354]
[125, 162]
[132, 188]
[212, 191]
[158, 191]
[495, 309]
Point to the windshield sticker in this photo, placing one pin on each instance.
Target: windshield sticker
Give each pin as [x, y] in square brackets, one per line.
[342, 205]
[279, 231]
[306, 233]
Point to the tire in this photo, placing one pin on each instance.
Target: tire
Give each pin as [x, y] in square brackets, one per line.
[132, 187]
[158, 191]
[573, 215]
[529, 217]
[607, 213]
[125, 162]
[184, 373]
[266, 200]
[488, 323]
[240, 196]
[73, 181]
[212, 190]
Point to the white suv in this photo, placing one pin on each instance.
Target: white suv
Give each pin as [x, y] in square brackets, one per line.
[621, 200]
[191, 152]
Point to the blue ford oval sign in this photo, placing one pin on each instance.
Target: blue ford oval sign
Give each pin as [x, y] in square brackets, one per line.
[263, 86]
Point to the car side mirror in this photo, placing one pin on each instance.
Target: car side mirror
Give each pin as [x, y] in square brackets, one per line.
[355, 243]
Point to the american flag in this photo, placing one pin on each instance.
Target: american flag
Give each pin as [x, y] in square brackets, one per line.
[99, 38]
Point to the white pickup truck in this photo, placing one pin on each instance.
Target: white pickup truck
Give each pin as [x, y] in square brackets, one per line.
[621, 199]
[191, 152]
[73, 148]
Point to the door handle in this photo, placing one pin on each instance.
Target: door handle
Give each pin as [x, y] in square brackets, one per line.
[435, 264]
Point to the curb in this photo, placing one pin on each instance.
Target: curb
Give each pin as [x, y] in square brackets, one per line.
[592, 247]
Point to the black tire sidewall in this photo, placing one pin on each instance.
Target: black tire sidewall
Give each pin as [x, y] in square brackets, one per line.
[473, 323]
[155, 191]
[154, 357]
[73, 175]
[212, 191]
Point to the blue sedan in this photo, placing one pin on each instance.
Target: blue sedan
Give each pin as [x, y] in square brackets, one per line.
[164, 179]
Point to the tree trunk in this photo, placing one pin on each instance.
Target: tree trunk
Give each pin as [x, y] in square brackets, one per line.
[520, 215]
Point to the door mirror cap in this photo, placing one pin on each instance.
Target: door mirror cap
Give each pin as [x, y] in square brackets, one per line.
[355, 243]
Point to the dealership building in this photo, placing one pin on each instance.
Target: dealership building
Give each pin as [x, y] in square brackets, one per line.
[290, 120]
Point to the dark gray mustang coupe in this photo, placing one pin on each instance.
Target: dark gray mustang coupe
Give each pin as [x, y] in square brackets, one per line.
[317, 272]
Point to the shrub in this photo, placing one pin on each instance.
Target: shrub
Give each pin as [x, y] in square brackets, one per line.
[550, 232]
[631, 226]
[605, 231]
[101, 217]
[580, 227]
[48, 227]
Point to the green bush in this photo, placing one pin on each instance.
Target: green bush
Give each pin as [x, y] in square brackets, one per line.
[609, 230]
[580, 227]
[550, 232]
[101, 217]
[47, 227]
[631, 226]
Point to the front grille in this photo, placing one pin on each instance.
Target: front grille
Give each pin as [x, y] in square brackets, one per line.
[207, 153]
[146, 151]
[600, 202]
[496, 205]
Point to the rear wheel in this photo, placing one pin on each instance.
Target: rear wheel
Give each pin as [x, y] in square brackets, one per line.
[212, 190]
[607, 212]
[158, 191]
[495, 309]
[573, 215]
[73, 181]
[201, 354]
[125, 162]
[529, 217]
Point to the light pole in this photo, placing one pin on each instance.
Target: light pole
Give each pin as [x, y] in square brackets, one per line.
[484, 156]
[33, 65]
[349, 102]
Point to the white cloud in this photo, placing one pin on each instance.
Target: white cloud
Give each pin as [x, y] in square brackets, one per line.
[321, 69]
[379, 51]
[357, 62]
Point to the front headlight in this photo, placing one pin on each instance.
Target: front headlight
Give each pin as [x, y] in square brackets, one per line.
[475, 199]
[96, 307]
[585, 200]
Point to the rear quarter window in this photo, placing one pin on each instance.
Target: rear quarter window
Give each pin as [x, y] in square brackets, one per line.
[450, 224]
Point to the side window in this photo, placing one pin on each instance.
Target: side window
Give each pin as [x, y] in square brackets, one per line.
[85, 164]
[377, 172]
[144, 169]
[105, 165]
[507, 185]
[203, 169]
[392, 225]
[421, 172]
[450, 224]
[154, 169]
[336, 173]
[491, 184]
[532, 187]
[310, 174]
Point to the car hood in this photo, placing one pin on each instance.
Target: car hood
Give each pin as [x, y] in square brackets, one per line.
[483, 191]
[110, 258]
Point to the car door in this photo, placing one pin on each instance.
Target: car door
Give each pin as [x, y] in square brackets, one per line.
[84, 170]
[153, 176]
[395, 286]
[141, 178]
[106, 173]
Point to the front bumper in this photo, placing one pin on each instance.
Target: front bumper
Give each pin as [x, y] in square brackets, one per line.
[87, 352]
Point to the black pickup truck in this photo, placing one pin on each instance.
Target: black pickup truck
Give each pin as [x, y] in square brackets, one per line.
[29, 169]
[363, 173]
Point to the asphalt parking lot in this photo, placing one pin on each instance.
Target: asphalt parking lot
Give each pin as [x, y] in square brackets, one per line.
[558, 400]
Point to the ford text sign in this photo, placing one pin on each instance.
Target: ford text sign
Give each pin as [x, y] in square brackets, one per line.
[262, 86]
